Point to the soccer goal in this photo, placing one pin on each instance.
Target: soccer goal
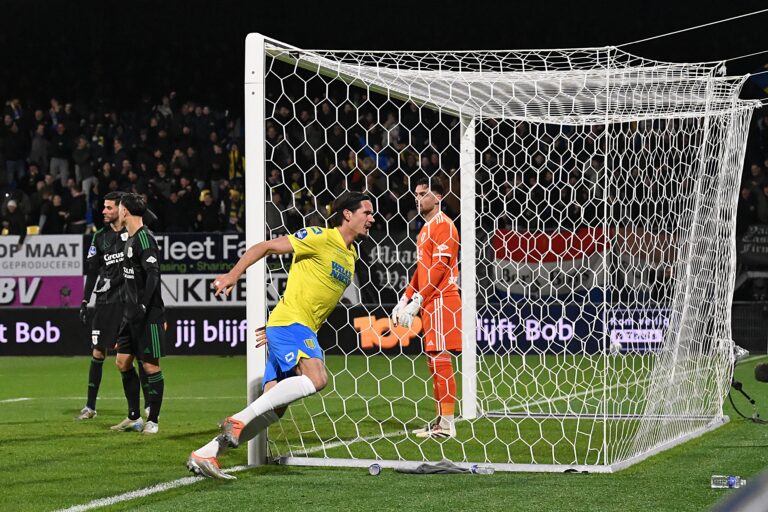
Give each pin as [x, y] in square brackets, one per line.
[595, 195]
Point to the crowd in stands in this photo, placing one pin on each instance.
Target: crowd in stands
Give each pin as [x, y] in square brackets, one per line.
[57, 161]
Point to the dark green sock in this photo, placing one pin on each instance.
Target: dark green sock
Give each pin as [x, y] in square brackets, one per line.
[94, 381]
[144, 384]
[131, 389]
[156, 386]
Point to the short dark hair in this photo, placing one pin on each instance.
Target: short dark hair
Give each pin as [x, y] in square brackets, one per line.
[349, 201]
[433, 183]
[134, 203]
[115, 196]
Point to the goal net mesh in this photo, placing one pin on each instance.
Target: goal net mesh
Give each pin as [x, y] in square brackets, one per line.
[598, 191]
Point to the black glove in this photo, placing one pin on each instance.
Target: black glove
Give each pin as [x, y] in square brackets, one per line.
[84, 312]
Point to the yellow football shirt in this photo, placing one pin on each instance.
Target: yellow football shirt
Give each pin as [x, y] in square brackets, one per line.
[321, 270]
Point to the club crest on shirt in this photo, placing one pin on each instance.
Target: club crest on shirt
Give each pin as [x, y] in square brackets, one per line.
[123, 236]
[301, 234]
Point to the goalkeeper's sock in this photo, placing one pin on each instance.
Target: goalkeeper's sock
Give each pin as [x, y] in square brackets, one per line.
[94, 381]
[283, 393]
[131, 390]
[444, 383]
[251, 430]
[156, 388]
[144, 384]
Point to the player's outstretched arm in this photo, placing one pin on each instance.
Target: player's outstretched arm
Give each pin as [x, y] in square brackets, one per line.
[226, 282]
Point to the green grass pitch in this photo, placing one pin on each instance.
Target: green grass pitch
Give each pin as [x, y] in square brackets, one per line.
[52, 462]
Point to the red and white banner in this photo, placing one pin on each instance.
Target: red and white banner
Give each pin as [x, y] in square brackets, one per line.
[541, 264]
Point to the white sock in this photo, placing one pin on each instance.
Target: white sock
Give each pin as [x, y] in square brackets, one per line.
[251, 430]
[285, 392]
[209, 450]
[446, 421]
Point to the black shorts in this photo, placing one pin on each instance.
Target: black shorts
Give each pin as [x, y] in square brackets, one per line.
[105, 326]
[145, 339]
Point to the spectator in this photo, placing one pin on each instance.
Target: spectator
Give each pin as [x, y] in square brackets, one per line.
[39, 152]
[176, 216]
[29, 184]
[274, 212]
[76, 210]
[161, 181]
[235, 212]
[36, 201]
[746, 211]
[757, 177]
[120, 154]
[14, 221]
[84, 166]
[219, 170]
[53, 217]
[236, 164]
[15, 155]
[61, 150]
[209, 214]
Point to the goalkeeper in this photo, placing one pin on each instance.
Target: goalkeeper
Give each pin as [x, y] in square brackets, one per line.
[434, 291]
[322, 268]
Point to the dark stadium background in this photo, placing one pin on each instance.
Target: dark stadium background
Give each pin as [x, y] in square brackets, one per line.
[116, 49]
[122, 53]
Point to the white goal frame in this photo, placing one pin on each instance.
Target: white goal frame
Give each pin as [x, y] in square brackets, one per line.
[257, 51]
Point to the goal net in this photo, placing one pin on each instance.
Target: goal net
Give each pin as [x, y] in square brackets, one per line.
[594, 193]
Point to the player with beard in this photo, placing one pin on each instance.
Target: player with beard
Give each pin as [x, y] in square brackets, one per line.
[104, 278]
[434, 292]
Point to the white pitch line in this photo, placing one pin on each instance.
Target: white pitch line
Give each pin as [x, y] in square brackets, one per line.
[147, 491]
[9, 400]
[142, 493]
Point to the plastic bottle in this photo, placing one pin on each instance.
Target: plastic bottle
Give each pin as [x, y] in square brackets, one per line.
[481, 470]
[727, 482]
[374, 469]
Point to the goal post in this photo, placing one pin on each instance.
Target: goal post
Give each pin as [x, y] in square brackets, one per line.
[468, 267]
[256, 305]
[595, 197]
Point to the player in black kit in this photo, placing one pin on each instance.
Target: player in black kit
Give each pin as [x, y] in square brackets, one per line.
[142, 331]
[104, 277]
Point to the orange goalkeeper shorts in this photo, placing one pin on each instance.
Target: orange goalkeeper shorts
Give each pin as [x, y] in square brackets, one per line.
[442, 324]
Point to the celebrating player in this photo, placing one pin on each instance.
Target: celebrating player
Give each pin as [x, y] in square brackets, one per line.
[104, 277]
[322, 268]
[142, 331]
[434, 291]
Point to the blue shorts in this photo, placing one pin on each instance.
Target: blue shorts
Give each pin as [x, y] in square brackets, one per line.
[286, 345]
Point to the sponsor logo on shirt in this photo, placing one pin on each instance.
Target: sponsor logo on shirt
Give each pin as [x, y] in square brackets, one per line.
[341, 274]
[110, 259]
[92, 251]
